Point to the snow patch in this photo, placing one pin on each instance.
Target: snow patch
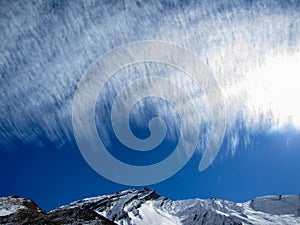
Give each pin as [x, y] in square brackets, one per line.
[277, 205]
[148, 214]
[10, 205]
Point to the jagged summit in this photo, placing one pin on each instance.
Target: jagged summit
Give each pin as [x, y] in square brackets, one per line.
[147, 207]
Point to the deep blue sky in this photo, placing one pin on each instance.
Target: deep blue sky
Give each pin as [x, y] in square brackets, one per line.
[53, 177]
[252, 48]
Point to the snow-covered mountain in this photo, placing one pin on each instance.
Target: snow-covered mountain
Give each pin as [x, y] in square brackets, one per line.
[147, 207]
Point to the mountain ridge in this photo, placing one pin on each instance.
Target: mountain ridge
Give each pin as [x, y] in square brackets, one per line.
[145, 206]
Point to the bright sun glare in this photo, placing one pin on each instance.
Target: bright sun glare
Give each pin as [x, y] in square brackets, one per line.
[275, 88]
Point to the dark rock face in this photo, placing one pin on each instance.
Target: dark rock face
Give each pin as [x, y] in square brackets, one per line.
[15, 210]
[70, 216]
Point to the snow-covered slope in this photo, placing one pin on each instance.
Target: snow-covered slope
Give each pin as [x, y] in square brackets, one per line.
[147, 207]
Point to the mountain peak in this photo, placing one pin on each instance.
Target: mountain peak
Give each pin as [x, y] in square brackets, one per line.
[145, 206]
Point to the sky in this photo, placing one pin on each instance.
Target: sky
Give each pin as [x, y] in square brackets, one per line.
[251, 48]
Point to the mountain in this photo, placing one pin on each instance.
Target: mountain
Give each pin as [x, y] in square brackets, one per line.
[147, 207]
[16, 210]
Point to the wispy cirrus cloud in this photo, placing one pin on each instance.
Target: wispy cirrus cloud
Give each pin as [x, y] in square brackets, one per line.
[46, 47]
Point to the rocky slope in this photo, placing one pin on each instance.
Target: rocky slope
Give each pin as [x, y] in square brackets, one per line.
[16, 210]
[147, 207]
